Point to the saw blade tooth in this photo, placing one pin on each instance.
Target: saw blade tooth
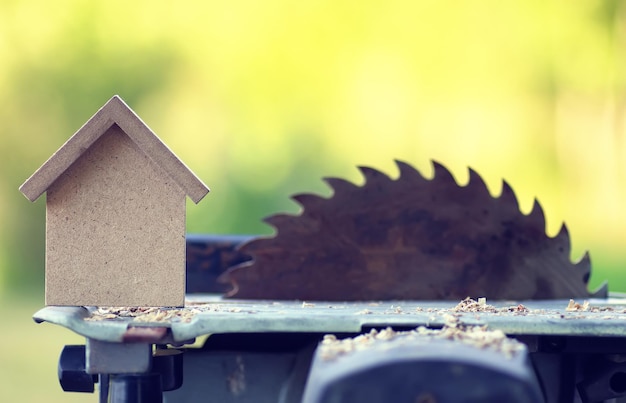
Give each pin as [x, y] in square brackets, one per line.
[339, 185]
[562, 237]
[584, 261]
[308, 200]
[249, 247]
[563, 232]
[299, 224]
[442, 174]
[475, 180]
[536, 215]
[278, 220]
[602, 291]
[372, 175]
[507, 195]
[408, 172]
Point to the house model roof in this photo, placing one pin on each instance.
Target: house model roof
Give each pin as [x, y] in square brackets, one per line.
[114, 112]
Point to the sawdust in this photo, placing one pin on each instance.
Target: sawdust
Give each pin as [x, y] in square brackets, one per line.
[476, 308]
[395, 309]
[574, 306]
[155, 314]
[602, 309]
[139, 314]
[470, 305]
[519, 309]
[476, 336]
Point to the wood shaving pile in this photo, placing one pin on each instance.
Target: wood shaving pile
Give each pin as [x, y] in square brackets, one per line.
[155, 314]
[475, 336]
[480, 305]
[139, 314]
[470, 305]
[518, 309]
[574, 306]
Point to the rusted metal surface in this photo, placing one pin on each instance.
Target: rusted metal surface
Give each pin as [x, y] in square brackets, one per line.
[141, 334]
[410, 238]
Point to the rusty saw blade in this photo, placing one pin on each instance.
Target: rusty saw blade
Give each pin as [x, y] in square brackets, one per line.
[410, 238]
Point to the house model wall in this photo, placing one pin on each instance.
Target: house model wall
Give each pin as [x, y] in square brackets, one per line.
[115, 214]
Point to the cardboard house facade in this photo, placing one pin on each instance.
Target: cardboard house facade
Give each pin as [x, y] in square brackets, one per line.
[115, 214]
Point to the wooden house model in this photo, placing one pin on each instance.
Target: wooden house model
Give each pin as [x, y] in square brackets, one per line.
[115, 214]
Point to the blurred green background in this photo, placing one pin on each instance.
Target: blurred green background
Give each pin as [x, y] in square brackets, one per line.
[263, 98]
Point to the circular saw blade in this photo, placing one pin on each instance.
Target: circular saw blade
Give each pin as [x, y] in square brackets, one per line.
[410, 238]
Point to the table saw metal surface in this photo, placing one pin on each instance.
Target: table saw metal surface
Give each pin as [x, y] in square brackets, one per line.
[209, 314]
